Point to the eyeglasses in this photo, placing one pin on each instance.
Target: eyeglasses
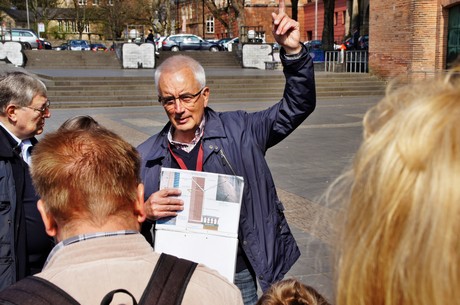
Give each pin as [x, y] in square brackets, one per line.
[186, 99]
[42, 110]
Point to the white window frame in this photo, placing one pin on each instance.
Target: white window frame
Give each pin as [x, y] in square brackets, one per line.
[210, 24]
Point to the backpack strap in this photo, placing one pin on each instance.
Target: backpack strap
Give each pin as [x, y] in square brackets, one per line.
[169, 281]
[109, 296]
[34, 290]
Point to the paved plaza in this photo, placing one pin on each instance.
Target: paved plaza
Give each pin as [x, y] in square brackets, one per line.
[303, 166]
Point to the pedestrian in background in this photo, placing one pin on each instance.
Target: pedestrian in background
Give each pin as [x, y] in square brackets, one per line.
[150, 37]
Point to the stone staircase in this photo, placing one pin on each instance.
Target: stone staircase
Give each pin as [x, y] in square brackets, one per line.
[52, 59]
[66, 92]
[227, 80]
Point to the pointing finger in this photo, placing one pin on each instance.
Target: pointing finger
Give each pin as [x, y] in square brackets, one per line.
[281, 7]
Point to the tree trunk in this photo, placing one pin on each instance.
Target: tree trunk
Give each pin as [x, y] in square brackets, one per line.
[238, 7]
[328, 29]
[295, 4]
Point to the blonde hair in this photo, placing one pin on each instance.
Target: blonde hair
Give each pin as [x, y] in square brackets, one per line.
[291, 292]
[87, 175]
[399, 240]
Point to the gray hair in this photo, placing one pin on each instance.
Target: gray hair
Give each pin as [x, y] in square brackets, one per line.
[175, 62]
[19, 88]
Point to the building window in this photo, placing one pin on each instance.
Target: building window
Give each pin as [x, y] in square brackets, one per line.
[210, 24]
[82, 2]
[336, 16]
[69, 26]
[344, 14]
[111, 2]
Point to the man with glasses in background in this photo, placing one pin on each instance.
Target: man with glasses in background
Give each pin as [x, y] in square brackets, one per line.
[24, 244]
[233, 143]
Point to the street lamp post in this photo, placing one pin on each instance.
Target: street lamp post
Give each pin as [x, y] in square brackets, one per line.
[316, 19]
[204, 25]
[27, 13]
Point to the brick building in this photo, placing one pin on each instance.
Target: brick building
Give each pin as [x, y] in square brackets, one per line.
[257, 14]
[418, 37]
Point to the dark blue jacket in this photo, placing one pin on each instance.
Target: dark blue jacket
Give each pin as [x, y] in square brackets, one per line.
[235, 142]
[13, 252]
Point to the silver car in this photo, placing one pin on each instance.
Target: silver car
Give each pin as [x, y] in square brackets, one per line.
[27, 37]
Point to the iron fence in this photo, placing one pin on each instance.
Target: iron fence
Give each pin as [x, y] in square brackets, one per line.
[346, 61]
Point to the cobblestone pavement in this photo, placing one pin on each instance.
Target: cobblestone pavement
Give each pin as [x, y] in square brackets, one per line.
[303, 166]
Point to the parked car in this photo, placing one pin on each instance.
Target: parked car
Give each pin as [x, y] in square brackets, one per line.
[186, 42]
[158, 42]
[349, 43]
[44, 44]
[27, 37]
[313, 44]
[363, 42]
[78, 45]
[223, 41]
[97, 47]
[235, 40]
[62, 47]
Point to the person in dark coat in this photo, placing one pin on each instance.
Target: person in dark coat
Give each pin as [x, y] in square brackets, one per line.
[150, 37]
[24, 244]
[234, 143]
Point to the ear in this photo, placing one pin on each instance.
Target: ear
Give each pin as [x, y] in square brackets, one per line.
[205, 94]
[48, 219]
[139, 205]
[11, 112]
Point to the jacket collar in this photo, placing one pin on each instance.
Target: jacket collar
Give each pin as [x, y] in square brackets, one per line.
[213, 129]
[7, 143]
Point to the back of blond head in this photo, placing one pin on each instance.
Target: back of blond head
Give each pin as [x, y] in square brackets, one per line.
[291, 292]
[399, 238]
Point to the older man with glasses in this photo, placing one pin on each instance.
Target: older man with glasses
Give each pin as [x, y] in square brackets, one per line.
[24, 244]
[234, 143]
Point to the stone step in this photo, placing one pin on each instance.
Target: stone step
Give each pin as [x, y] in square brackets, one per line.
[148, 101]
[96, 92]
